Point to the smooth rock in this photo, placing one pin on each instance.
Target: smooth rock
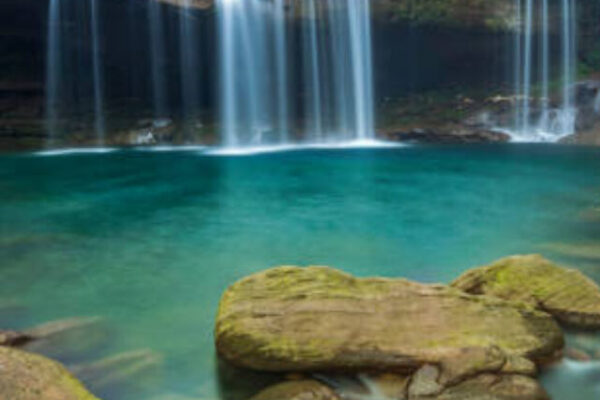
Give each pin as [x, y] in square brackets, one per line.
[297, 390]
[26, 376]
[493, 387]
[567, 294]
[425, 382]
[321, 319]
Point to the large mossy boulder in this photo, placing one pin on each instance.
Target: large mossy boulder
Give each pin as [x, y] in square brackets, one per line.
[565, 293]
[26, 376]
[321, 319]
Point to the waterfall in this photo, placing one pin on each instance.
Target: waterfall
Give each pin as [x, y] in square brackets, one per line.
[53, 67]
[282, 74]
[527, 65]
[190, 68]
[74, 78]
[541, 119]
[545, 69]
[333, 75]
[567, 116]
[359, 17]
[157, 62]
[97, 74]
[312, 71]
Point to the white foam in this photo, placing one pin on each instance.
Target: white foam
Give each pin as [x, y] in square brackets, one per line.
[76, 150]
[536, 136]
[580, 366]
[252, 150]
[170, 148]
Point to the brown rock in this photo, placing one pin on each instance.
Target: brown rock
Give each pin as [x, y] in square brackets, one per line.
[567, 294]
[425, 382]
[577, 354]
[493, 387]
[320, 319]
[13, 338]
[297, 390]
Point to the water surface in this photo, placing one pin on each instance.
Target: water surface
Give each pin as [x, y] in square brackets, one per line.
[149, 240]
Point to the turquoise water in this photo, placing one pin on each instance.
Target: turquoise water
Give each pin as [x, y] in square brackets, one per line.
[149, 240]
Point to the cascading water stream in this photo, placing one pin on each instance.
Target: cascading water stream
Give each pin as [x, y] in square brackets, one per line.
[335, 72]
[281, 65]
[527, 65]
[312, 68]
[190, 67]
[97, 74]
[157, 55]
[360, 31]
[74, 77]
[541, 119]
[545, 68]
[53, 67]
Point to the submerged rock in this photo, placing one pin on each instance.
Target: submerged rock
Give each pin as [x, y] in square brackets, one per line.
[66, 339]
[584, 251]
[297, 390]
[25, 376]
[493, 387]
[13, 338]
[321, 319]
[565, 293]
[134, 368]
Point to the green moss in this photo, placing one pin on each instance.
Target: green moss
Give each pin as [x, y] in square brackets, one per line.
[489, 14]
[566, 293]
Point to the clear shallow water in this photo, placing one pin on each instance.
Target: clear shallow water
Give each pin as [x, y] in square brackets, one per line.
[149, 240]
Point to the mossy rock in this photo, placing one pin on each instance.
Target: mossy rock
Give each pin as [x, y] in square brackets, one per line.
[321, 319]
[567, 294]
[26, 376]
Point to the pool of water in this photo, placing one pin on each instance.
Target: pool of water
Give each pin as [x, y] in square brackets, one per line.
[149, 240]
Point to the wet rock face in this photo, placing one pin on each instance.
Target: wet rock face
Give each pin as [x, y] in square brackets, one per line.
[26, 376]
[448, 134]
[320, 319]
[567, 294]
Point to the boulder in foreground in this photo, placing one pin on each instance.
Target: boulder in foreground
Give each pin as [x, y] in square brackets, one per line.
[26, 376]
[567, 294]
[321, 319]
